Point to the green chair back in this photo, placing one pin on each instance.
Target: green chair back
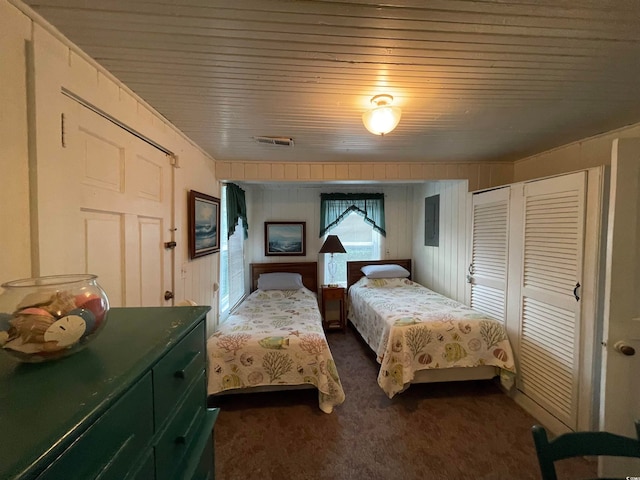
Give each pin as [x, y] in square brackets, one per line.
[578, 444]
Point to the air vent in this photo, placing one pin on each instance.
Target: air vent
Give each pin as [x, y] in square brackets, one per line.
[282, 141]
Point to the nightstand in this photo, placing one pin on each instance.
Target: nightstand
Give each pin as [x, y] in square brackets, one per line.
[334, 308]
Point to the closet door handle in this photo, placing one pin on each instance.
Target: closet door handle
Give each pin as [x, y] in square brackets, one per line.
[575, 291]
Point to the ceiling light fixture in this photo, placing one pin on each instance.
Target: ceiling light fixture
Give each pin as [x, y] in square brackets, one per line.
[382, 118]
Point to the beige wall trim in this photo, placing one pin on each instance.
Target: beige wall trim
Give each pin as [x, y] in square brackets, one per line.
[479, 175]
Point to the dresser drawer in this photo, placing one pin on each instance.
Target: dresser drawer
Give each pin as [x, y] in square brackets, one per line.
[173, 374]
[111, 447]
[178, 438]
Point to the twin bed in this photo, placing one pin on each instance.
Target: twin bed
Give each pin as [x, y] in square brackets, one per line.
[421, 336]
[274, 340]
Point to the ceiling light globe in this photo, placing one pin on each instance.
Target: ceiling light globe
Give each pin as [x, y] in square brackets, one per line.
[384, 117]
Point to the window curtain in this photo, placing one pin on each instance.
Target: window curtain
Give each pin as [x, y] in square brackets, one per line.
[231, 263]
[236, 209]
[335, 206]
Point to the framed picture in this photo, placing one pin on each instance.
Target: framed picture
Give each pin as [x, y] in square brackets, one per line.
[285, 238]
[204, 224]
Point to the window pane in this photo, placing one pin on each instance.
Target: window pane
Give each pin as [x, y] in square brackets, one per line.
[359, 240]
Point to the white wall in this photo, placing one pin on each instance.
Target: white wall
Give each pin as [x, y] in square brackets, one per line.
[443, 268]
[193, 279]
[581, 155]
[278, 202]
[15, 251]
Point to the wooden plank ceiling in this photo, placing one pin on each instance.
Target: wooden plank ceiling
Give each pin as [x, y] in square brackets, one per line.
[476, 80]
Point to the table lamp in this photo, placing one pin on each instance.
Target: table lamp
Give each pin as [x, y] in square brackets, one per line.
[332, 245]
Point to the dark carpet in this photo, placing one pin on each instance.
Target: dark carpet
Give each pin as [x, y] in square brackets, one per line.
[438, 431]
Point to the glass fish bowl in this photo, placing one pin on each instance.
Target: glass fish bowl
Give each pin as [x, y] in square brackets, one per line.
[47, 318]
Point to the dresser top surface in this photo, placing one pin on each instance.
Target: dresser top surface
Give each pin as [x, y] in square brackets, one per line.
[43, 406]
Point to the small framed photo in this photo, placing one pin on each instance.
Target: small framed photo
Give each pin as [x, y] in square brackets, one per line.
[285, 239]
[204, 224]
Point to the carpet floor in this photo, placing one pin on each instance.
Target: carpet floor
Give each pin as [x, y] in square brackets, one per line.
[438, 431]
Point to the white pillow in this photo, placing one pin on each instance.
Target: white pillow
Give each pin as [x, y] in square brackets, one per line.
[385, 271]
[280, 281]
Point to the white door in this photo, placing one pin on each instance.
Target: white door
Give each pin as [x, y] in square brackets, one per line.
[620, 400]
[105, 207]
[489, 252]
[552, 253]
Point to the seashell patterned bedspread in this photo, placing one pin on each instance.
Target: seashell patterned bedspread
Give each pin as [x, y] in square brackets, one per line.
[274, 338]
[413, 328]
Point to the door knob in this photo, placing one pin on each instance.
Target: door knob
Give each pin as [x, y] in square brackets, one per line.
[624, 349]
[168, 295]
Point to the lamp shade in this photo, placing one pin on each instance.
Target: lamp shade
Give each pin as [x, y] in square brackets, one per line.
[332, 245]
[384, 117]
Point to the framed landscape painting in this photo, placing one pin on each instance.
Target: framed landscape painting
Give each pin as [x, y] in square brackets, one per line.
[284, 238]
[204, 224]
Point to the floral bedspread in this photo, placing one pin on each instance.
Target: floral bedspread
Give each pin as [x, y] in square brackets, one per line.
[412, 328]
[274, 338]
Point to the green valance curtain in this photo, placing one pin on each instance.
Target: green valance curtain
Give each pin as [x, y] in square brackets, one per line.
[236, 209]
[335, 206]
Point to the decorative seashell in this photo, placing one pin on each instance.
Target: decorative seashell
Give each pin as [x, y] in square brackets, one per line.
[396, 373]
[231, 381]
[31, 328]
[66, 331]
[246, 359]
[256, 377]
[425, 359]
[96, 305]
[35, 311]
[88, 317]
[464, 327]
[500, 354]
[36, 299]
[474, 344]
[61, 303]
[454, 352]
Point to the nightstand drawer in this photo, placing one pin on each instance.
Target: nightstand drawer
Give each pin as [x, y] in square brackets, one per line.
[333, 293]
[112, 445]
[176, 371]
[183, 429]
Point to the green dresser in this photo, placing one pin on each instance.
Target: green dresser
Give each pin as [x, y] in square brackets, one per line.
[132, 405]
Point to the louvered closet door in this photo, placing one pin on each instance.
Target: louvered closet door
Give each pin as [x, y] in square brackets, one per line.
[550, 318]
[489, 252]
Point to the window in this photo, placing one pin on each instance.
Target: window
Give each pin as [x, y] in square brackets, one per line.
[231, 262]
[360, 241]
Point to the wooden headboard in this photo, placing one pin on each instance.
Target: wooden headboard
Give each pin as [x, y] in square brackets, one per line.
[308, 270]
[353, 268]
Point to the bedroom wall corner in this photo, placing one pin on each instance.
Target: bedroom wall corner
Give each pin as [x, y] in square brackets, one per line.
[580, 155]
